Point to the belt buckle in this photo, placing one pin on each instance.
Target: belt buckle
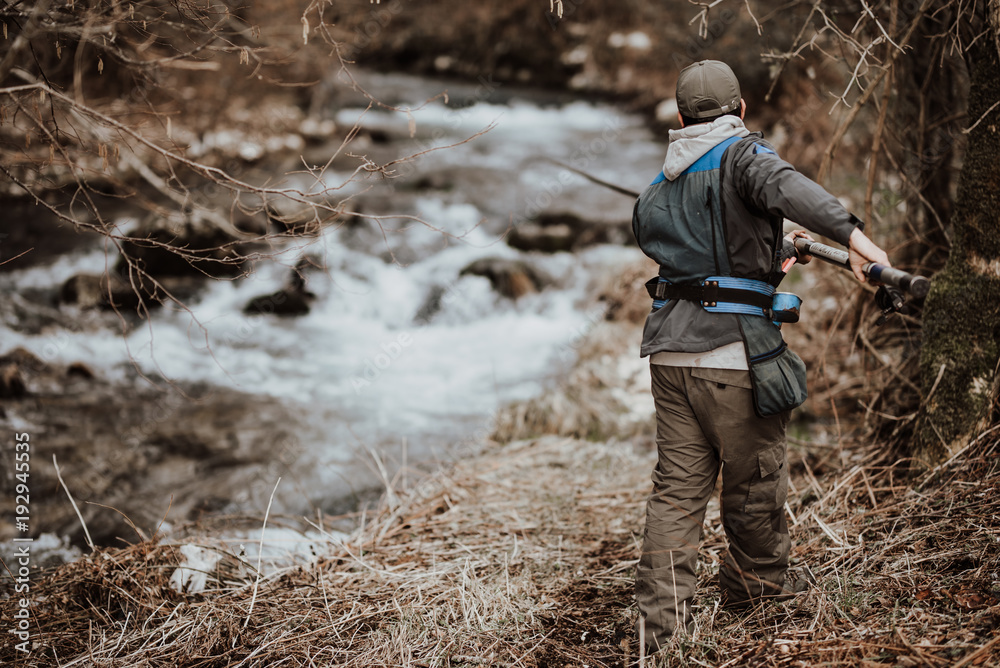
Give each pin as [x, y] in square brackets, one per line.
[710, 294]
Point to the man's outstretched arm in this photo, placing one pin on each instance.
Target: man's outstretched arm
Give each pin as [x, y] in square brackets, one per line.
[775, 186]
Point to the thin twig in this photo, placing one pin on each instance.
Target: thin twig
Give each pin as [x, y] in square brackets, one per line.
[260, 555]
[73, 503]
[838, 136]
[981, 118]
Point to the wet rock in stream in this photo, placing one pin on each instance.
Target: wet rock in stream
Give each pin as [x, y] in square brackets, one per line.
[554, 232]
[97, 291]
[11, 382]
[291, 300]
[201, 249]
[510, 278]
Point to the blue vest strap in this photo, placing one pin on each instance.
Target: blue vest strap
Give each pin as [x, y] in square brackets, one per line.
[712, 159]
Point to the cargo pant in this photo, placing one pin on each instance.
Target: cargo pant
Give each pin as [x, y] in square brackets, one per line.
[704, 421]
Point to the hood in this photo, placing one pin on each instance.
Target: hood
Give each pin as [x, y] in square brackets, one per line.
[690, 143]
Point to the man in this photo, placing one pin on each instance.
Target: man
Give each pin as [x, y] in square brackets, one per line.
[723, 381]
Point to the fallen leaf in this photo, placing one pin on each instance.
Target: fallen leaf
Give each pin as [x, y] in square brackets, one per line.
[970, 599]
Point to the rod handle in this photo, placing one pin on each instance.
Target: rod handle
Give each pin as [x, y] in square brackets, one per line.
[917, 286]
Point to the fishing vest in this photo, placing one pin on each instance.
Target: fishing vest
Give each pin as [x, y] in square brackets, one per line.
[697, 298]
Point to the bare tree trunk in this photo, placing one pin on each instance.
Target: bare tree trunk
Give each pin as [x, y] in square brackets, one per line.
[931, 89]
[993, 15]
[961, 324]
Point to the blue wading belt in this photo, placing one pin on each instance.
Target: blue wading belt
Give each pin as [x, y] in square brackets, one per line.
[720, 294]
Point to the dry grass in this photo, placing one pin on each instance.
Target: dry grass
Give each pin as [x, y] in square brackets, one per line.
[525, 556]
[476, 566]
[908, 571]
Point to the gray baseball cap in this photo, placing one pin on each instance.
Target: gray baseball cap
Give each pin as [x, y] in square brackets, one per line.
[706, 89]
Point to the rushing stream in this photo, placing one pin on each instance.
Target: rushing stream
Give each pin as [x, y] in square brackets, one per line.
[398, 346]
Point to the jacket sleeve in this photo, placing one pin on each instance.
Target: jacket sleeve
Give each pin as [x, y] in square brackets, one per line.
[770, 184]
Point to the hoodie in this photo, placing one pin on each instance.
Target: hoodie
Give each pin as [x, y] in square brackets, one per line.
[690, 143]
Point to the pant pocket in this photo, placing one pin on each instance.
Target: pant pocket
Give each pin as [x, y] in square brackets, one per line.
[768, 488]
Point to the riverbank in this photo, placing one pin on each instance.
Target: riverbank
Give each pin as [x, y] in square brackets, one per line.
[520, 550]
[524, 556]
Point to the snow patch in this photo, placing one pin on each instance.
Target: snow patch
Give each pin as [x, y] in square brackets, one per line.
[277, 549]
[47, 550]
[192, 575]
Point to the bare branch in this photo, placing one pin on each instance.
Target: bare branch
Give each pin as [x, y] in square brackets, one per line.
[853, 113]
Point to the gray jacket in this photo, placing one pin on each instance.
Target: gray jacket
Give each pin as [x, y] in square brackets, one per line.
[722, 216]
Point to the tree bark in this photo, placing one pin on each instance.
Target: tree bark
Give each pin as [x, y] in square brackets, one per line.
[961, 324]
[931, 90]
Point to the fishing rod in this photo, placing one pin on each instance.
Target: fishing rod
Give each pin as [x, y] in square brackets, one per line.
[917, 286]
[889, 297]
[593, 179]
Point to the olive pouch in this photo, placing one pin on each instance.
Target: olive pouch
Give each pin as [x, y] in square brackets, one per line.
[778, 374]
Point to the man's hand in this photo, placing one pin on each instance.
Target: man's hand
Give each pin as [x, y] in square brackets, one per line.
[863, 250]
[801, 258]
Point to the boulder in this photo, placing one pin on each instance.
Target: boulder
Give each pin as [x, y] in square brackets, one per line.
[23, 358]
[554, 232]
[510, 278]
[199, 249]
[292, 300]
[14, 367]
[98, 291]
[23, 374]
[12, 384]
[80, 370]
[284, 302]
